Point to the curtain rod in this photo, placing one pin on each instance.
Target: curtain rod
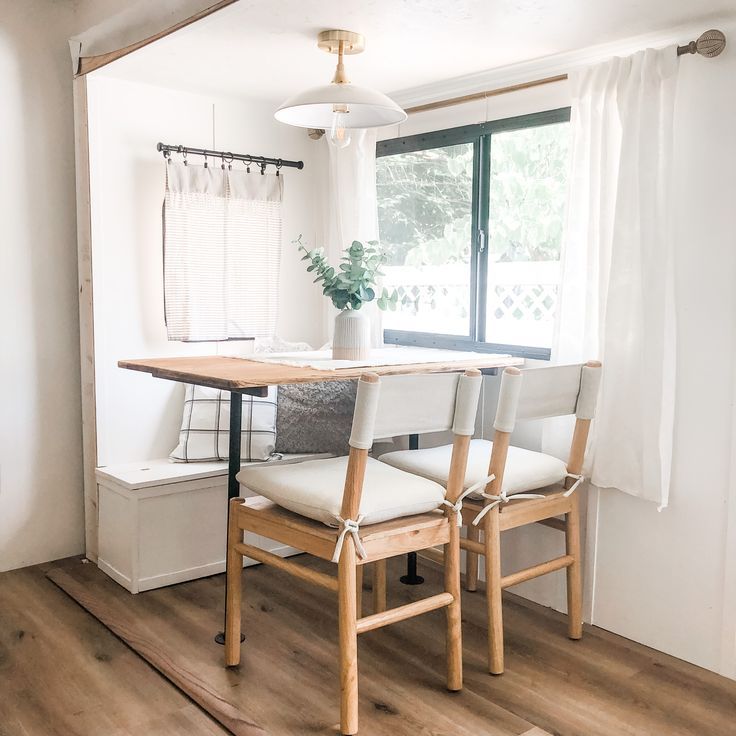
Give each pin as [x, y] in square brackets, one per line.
[709, 44]
[227, 157]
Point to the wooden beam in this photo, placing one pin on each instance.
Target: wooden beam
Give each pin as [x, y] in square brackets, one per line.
[88, 64]
[483, 95]
[473, 546]
[86, 317]
[305, 573]
[543, 568]
[379, 586]
[393, 615]
[554, 523]
[519, 513]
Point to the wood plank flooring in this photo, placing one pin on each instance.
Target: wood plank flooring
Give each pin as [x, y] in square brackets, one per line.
[62, 672]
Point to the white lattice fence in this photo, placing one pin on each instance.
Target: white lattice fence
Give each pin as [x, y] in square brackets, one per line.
[522, 299]
[523, 291]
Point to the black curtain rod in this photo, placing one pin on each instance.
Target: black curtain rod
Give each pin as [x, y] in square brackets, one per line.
[227, 157]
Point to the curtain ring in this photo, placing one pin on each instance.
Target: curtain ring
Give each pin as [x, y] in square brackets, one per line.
[263, 168]
[205, 161]
[247, 165]
[167, 156]
[279, 164]
[184, 156]
[222, 165]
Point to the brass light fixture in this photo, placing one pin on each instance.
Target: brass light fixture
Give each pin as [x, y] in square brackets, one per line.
[340, 106]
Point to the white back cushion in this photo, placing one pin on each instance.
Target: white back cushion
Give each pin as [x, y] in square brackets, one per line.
[538, 393]
[549, 392]
[416, 404]
[590, 383]
[399, 405]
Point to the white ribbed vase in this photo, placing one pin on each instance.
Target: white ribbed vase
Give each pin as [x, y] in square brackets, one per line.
[352, 339]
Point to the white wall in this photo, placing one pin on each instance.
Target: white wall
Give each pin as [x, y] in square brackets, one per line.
[665, 579]
[41, 516]
[138, 417]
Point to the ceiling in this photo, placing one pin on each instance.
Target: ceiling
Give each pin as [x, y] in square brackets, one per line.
[266, 49]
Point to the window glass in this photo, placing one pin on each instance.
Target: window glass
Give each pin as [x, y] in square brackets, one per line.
[425, 201]
[528, 197]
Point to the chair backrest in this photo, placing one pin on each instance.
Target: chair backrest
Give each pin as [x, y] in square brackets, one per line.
[396, 405]
[537, 393]
[418, 404]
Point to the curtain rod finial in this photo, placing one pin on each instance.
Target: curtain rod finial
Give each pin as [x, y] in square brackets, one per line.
[709, 44]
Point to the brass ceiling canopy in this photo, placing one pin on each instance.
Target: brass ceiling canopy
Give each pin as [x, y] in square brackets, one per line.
[352, 43]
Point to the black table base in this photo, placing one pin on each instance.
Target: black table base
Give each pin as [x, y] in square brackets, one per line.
[411, 577]
[233, 486]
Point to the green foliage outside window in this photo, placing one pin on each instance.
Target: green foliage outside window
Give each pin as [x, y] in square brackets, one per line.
[424, 199]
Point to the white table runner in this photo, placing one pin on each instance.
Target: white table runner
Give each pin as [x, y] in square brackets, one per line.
[322, 359]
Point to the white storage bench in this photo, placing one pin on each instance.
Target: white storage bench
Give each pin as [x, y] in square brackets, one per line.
[162, 523]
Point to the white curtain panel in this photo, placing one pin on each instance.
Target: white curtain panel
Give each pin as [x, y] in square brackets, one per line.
[351, 209]
[617, 293]
[222, 252]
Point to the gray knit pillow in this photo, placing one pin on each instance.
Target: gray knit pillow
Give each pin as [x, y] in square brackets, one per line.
[315, 417]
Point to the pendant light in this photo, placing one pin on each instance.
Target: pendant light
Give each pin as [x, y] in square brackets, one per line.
[340, 107]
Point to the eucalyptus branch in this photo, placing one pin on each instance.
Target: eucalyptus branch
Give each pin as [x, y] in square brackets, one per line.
[353, 282]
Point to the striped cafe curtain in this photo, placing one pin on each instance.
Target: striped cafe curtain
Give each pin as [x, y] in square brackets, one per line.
[222, 250]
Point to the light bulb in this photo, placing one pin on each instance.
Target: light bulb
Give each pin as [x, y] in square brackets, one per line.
[339, 134]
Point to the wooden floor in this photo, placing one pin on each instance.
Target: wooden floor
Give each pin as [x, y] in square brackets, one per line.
[62, 672]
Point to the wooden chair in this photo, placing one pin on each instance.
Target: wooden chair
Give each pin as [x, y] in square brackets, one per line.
[540, 486]
[351, 511]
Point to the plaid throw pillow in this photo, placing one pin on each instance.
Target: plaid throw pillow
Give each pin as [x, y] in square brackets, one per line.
[205, 427]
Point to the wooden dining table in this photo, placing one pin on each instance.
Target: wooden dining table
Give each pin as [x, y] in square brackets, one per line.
[242, 376]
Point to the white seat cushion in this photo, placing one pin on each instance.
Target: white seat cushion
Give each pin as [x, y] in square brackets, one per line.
[526, 470]
[314, 489]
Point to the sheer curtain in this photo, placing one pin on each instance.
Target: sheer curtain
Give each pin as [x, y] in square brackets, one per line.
[617, 293]
[351, 209]
[222, 250]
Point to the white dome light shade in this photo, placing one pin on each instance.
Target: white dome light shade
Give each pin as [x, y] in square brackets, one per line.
[315, 108]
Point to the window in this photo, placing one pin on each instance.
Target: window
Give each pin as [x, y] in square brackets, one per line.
[472, 219]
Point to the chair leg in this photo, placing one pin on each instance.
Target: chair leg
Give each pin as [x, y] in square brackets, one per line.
[574, 575]
[492, 535]
[347, 616]
[234, 575]
[471, 561]
[454, 642]
[379, 586]
[358, 591]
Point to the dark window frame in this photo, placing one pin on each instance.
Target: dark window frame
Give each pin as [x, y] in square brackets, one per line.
[480, 135]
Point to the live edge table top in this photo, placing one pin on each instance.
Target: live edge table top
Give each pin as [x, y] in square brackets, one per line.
[239, 374]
